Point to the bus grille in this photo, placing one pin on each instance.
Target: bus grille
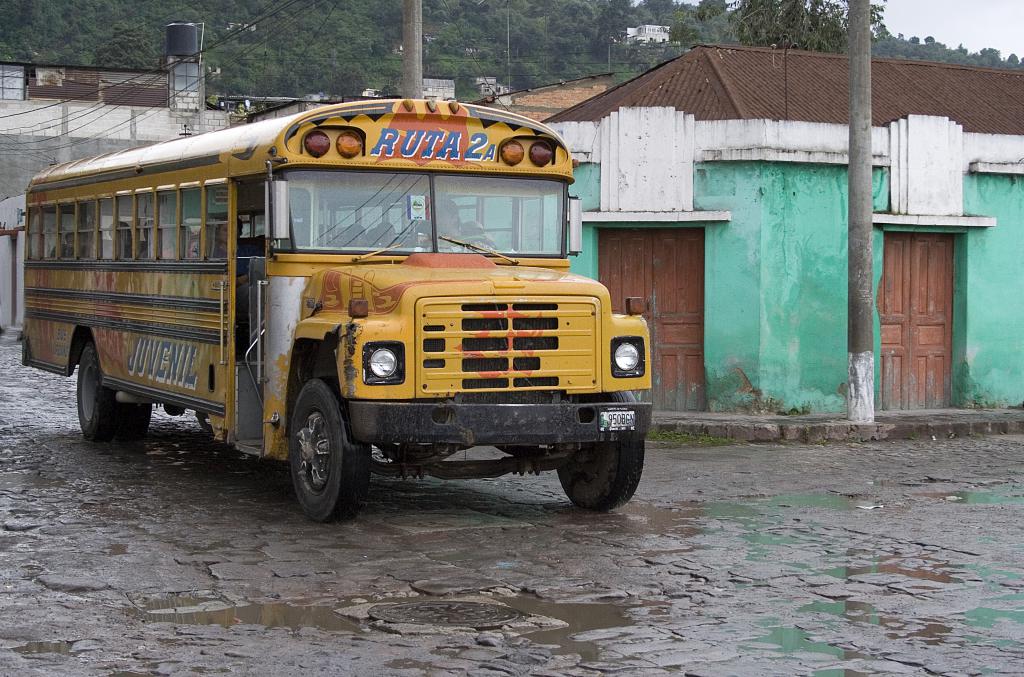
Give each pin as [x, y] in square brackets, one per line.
[519, 344]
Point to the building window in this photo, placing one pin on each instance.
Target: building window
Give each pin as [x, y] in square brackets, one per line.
[144, 224]
[124, 228]
[87, 230]
[106, 228]
[217, 222]
[12, 83]
[186, 77]
[167, 216]
[191, 223]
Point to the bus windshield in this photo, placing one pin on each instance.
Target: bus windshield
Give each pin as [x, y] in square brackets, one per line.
[354, 212]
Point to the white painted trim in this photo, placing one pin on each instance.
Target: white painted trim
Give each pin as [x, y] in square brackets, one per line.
[783, 155]
[670, 217]
[996, 168]
[933, 220]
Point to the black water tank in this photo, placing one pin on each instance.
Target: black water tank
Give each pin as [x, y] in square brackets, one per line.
[182, 39]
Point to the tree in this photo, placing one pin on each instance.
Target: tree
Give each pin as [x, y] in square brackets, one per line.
[817, 25]
[1013, 60]
[127, 46]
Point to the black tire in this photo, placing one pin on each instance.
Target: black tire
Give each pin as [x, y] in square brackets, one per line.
[331, 474]
[604, 475]
[97, 407]
[134, 421]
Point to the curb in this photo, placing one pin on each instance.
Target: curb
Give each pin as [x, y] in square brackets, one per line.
[842, 431]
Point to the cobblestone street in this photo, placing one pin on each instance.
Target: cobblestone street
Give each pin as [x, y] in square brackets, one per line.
[180, 556]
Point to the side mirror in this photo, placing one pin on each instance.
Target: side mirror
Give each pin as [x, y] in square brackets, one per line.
[575, 226]
[278, 209]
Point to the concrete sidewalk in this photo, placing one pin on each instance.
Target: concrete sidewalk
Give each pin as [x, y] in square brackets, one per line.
[893, 425]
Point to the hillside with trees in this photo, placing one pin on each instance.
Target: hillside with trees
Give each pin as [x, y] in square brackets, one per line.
[341, 47]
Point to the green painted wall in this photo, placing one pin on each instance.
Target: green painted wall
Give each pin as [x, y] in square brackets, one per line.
[775, 285]
[989, 370]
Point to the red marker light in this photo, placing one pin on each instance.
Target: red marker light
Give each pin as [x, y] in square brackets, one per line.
[541, 153]
[316, 143]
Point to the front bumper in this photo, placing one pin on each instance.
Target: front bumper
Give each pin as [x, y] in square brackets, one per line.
[489, 424]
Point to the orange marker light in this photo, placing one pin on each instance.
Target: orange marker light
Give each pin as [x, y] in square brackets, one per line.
[349, 144]
[453, 106]
[512, 153]
[408, 105]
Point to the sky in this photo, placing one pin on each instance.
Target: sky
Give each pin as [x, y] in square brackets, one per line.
[975, 23]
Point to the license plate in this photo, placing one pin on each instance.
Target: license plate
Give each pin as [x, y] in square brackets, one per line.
[617, 419]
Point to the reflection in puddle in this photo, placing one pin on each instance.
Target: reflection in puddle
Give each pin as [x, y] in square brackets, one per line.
[60, 647]
[927, 630]
[212, 610]
[792, 640]
[1007, 495]
[580, 618]
[920, 568]
[984, 617]
[833, 501]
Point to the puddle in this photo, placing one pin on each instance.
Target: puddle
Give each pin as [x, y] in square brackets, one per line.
[656, 519]
[580, 618]
[213, 610]
[928, 630]
[1005, 496]
[831, 501]
[933, 571]
[117, 549]
[984, 617]
[793, 640]
[59, 647]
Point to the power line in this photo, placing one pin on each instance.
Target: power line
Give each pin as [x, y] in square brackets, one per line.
[229, 36]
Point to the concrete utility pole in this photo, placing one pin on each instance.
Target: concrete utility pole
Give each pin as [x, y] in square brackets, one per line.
[412, 49]
[860, 335]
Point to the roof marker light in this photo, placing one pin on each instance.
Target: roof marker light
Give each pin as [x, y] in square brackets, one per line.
[316, 143]
[349, 144]
[512, 153]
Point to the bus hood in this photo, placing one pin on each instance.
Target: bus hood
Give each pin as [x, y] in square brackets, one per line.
[386, 285]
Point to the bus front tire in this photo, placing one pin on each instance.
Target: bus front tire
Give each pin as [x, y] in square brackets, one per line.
[604, 475]
[330, 473]
[97, 406]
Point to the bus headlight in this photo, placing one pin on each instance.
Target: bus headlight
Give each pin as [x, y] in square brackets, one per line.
[383, 363]
[627, 356]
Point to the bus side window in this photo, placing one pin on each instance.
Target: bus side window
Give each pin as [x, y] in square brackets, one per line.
[50, 231]
[87, 230]
[167, 214]
[106, 228]
[67, 230]
[217, 222]
[35, 233]
[124, 228]
[144, 224]
[191, 223]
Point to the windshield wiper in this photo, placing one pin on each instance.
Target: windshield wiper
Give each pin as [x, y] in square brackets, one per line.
[479, 248]
[397, 245]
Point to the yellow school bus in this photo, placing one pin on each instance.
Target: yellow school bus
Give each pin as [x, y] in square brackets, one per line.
[364, 287]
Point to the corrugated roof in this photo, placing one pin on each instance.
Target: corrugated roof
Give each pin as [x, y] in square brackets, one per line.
[725, 82]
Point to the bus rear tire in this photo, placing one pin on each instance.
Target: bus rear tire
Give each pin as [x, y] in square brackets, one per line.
[330, 473]
[134, 421]
[604, 475]
[97, 406]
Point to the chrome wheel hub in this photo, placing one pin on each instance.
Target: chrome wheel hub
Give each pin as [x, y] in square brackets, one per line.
[315, 451]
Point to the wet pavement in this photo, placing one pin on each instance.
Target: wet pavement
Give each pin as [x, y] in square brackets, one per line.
[177, 555]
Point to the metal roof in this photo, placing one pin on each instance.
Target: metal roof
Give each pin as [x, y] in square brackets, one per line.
[727, 82]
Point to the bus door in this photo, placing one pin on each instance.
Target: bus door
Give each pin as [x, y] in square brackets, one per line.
[250, 322]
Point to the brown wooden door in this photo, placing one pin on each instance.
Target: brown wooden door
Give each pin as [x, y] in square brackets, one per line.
[915, 308]
[665, 266]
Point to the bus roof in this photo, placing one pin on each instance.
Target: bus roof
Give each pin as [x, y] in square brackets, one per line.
[246, 148]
